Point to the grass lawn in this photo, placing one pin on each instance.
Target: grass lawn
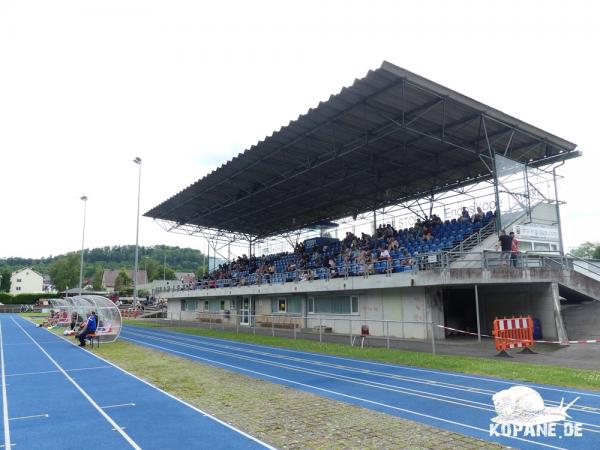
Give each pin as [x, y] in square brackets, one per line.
[37, 317]
[537, 373]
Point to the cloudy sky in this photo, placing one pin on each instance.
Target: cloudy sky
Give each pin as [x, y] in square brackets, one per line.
[86, 86]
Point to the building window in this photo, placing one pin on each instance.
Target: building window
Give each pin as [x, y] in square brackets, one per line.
[18, 288]
[341, 304]
[205, 305]
[18, 280]
[279, 305]
[222, 305]
[189, 305]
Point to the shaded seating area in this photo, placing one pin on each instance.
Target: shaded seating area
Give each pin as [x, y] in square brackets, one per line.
[324, 258]
[76, 309]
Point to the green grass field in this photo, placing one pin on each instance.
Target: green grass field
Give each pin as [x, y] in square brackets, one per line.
[518, 371]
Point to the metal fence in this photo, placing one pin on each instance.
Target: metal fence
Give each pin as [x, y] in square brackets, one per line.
[324, 328]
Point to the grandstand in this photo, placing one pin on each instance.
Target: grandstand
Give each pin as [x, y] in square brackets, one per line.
[397, 148]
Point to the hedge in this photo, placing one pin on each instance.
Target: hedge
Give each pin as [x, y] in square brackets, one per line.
[23, 299]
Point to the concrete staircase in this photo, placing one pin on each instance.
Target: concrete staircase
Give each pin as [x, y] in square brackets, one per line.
[458, 256]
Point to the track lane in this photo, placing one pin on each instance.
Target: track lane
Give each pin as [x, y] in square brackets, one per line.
[460, 404]
[144, 412]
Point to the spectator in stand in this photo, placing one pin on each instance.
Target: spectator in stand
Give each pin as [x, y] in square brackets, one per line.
[479, 215]
[427, 234]
[464, 216]
[514, 249]
[332, 267]
[384, 255]
[505, 245]
[389, 231]
[406, 258]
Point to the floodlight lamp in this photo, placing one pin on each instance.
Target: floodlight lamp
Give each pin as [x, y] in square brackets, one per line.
[137, 160]
[84, 198]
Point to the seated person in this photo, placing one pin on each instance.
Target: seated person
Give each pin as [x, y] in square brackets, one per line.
[479, 215]
[87, 327]
[427, 234]
[464, 216]
[384, 255]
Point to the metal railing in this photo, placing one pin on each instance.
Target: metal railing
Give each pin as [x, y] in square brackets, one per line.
[475, 239]
[340, 328]
[485, 260]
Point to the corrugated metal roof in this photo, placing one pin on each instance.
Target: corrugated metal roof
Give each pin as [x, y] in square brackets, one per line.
[391, 136]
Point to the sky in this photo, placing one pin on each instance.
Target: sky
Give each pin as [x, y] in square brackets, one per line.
[87, 86]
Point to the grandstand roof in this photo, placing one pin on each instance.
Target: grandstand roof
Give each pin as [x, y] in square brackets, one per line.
[391, 137]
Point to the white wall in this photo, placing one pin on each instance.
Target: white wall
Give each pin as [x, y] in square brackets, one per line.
[26, 281]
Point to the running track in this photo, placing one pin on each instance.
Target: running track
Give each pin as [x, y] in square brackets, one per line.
[58, 396]
[456, 402]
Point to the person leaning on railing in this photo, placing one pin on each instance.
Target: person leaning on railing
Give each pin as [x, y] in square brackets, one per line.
[505, 245]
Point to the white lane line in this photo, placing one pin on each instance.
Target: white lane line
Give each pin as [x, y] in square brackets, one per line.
[7, 443]
[27, 343]
[82, 391]
[329, 391]
[388, 365]
[369, 383]
[29, 417]
[359, 361]
[183, 402]
[45, 372]
[117, 406]
[373, 384]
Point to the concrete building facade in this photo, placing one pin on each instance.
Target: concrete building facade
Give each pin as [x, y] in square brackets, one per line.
[26, 281]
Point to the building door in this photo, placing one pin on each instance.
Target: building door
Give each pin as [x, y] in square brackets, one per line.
[246, 311]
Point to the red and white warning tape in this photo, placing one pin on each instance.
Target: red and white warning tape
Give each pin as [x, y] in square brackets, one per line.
[583, 341]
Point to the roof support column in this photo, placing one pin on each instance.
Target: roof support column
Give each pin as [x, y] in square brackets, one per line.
[494, 174]
[374, 222]
[560, 235]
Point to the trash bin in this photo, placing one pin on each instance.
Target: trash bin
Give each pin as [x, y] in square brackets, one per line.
[537, 329]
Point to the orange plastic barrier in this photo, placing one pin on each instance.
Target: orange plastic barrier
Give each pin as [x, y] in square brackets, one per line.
[516, 332]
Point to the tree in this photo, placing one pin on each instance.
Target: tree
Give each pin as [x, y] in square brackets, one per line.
[65, 271]
[169, 274]
[587, 250]
[200, 271]
[97, 278]
[5, 284]
[153, 268]
[123, 282]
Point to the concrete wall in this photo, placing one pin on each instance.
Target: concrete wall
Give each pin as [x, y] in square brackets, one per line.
[414, 297]
[535, 300]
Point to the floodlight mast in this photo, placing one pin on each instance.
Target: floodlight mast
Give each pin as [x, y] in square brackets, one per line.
[137, 161]
[84, 198]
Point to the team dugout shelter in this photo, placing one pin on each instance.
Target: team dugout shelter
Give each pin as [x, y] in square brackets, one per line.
[391, 138]
[78, 308]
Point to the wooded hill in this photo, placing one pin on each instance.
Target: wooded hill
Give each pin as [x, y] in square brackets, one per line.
[64, 269]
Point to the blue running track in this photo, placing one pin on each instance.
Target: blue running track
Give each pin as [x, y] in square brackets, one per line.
[456, 402]
[58, 396]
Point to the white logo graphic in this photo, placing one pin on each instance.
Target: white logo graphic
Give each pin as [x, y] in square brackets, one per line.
[521, 412]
